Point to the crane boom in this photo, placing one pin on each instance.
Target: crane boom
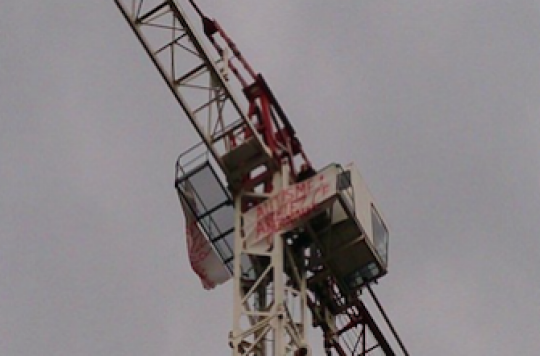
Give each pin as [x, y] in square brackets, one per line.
[261, 134]
[194, 77]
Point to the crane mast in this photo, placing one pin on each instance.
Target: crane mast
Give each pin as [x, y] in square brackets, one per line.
[281, 265]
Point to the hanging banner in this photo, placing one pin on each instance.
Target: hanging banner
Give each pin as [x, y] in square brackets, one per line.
[284, 210]
[202, 257]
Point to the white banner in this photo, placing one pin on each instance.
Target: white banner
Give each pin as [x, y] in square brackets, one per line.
[202, 257]
[285, 209]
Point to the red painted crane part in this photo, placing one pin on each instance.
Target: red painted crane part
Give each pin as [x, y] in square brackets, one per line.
[264, 111]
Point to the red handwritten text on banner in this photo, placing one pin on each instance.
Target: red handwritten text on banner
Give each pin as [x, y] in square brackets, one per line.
[284, 210]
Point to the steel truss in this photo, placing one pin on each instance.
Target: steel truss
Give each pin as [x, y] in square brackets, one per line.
[197, 81]
[350, 329]
[270, 306]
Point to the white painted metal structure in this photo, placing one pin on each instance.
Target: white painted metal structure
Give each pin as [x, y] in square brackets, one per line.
[294, 241]
[197, 81]
[269, 309]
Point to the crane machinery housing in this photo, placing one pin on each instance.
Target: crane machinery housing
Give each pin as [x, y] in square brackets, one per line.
[292, 237]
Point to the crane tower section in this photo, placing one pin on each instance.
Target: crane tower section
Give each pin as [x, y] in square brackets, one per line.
[291, 237]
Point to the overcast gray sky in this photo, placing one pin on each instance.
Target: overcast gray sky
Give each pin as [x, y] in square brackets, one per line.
[436, 101]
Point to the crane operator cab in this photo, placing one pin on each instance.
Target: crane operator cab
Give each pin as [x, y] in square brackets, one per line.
[329, 217]
[346, 239]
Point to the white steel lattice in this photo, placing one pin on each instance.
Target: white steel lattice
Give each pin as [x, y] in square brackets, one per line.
[270, 307]
[198, 82]
[270, 301]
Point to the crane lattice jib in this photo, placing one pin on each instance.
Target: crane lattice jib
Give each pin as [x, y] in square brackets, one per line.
[201, 84]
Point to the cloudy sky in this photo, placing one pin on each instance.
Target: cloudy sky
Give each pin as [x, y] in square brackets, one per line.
[436, 101]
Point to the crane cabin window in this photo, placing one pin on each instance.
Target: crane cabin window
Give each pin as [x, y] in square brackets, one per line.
[380, 235]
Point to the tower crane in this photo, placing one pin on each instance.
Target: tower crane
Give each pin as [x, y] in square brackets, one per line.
[292, 238]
